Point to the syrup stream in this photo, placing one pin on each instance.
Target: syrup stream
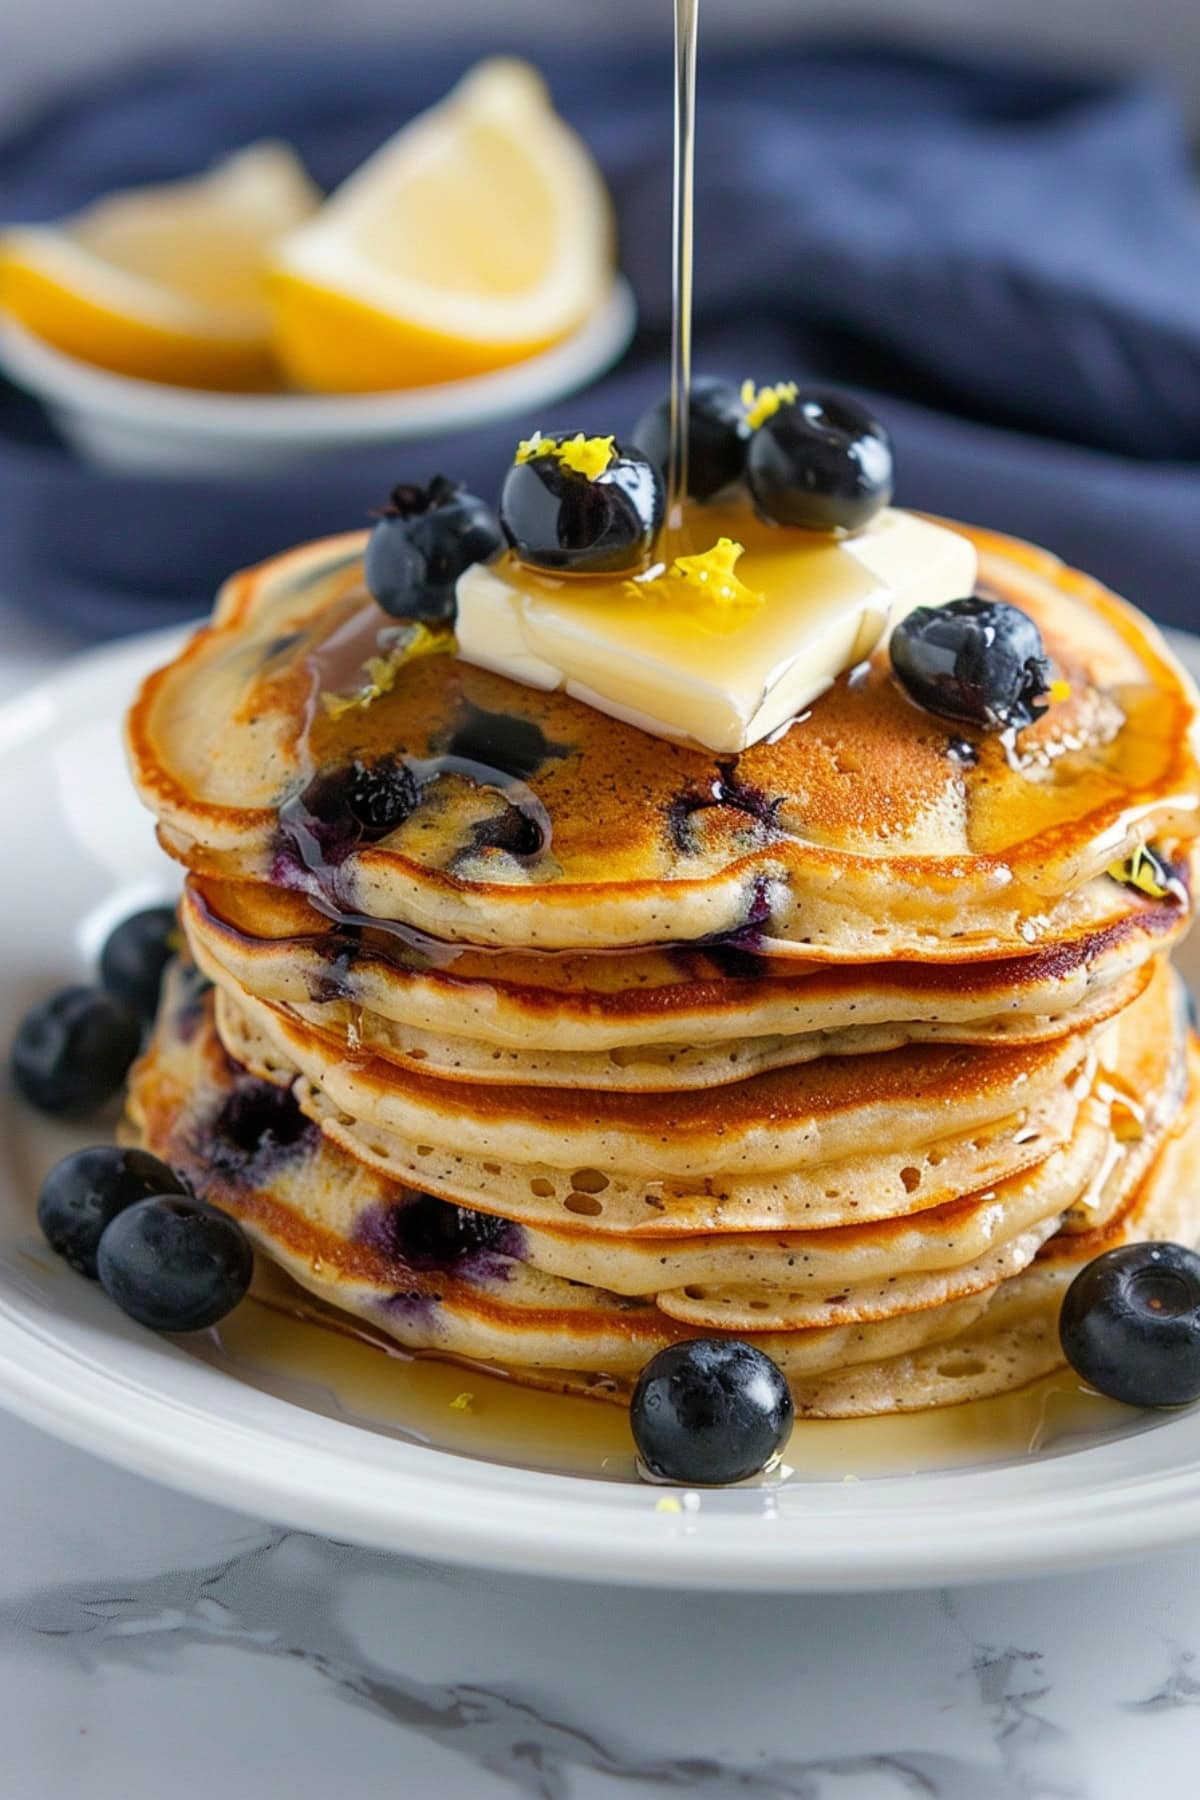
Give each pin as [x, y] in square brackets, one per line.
[682, 255]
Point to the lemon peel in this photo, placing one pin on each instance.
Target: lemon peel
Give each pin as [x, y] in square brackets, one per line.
[588, 457]
[405, 646]
[762, 403]
[1146, 871]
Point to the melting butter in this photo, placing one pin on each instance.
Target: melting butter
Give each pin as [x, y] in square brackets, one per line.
[660, 655]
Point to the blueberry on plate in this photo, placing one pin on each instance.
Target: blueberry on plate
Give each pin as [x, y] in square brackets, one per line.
[72, 1051]
[710, 1411]
[974, 659]
[583, 506]
[717, 436]
[87, 1189]
[424, 540]
[174, 1263]
[135, 955]
[1130, 1324]
[816, 459]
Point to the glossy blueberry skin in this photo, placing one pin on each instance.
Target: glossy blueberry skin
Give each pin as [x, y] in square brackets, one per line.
[717, 436]
[710, 1411]
[822, 462]
[362, 800]
[975, 659]
[554, 518]
[425, 539]
[174, 1263]
[136, 954]
[73, 1050]
[429, 1233]
[1130, 1324]
[87, 1189]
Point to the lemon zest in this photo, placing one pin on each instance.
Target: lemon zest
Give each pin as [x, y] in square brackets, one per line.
[1145, 871]
[762, 403]
[713, 573]
[412, 641]
[463, 1403]
[588, 457]
[1060, 690]
[668, 1504]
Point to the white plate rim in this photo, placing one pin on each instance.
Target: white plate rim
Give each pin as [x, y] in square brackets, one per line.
[92, 1378]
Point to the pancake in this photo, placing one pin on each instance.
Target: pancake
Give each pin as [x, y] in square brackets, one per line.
[1131, 1089]
[869, 830]
[246, 1146]
[789, 1119]
[873, 1270]
[1014, 1340]
[508, 1016]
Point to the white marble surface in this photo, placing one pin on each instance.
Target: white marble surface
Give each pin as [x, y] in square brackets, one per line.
[155, 1648]
[151, 1646]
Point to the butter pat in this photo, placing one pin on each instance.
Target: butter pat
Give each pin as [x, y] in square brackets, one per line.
[686, 668]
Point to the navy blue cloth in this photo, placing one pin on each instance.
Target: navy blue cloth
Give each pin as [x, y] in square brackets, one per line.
[1009, 262]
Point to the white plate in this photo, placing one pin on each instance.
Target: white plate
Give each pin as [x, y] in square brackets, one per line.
[78, 855]
[146, 427]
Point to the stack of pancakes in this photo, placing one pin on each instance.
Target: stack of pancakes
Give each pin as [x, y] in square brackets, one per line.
[537, 1041]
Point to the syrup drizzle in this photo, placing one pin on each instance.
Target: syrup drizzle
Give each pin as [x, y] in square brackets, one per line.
[682, 255]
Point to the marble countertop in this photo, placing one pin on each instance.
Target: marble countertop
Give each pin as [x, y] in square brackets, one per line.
[151, 1645]
[156, 1648]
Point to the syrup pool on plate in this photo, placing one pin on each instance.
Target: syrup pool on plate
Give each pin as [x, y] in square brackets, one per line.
[283, 1343]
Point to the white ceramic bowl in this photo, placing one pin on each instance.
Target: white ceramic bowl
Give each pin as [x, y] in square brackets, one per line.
[144, 427]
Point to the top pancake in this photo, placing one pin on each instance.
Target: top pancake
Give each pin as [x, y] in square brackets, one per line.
[870, 829]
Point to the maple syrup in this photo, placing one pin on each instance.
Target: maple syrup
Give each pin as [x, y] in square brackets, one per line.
[283, 1342]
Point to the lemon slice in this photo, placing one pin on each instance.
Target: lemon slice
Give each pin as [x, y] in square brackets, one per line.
[164, 282]
[478, 235]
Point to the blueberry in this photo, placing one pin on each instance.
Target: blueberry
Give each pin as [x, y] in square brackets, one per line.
[581, 505]
[381, 795]
[976, 659]
[424, 540]
[427, 1233]
[1130, 1324]
[717, 436]
[88, 1188]
[174, 1263]
[135, 955]
[710, 1411]
[511, 831]
[72, 1051]
[501, 741]
[818, 460]
[361, 800]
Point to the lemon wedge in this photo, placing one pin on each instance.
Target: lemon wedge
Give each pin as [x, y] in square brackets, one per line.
[164, 282]
[478, 235]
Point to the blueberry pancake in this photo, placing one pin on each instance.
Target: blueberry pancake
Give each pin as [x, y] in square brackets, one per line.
[607, 930]
[473, 1286]
[657, 1019]
[446, 798]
